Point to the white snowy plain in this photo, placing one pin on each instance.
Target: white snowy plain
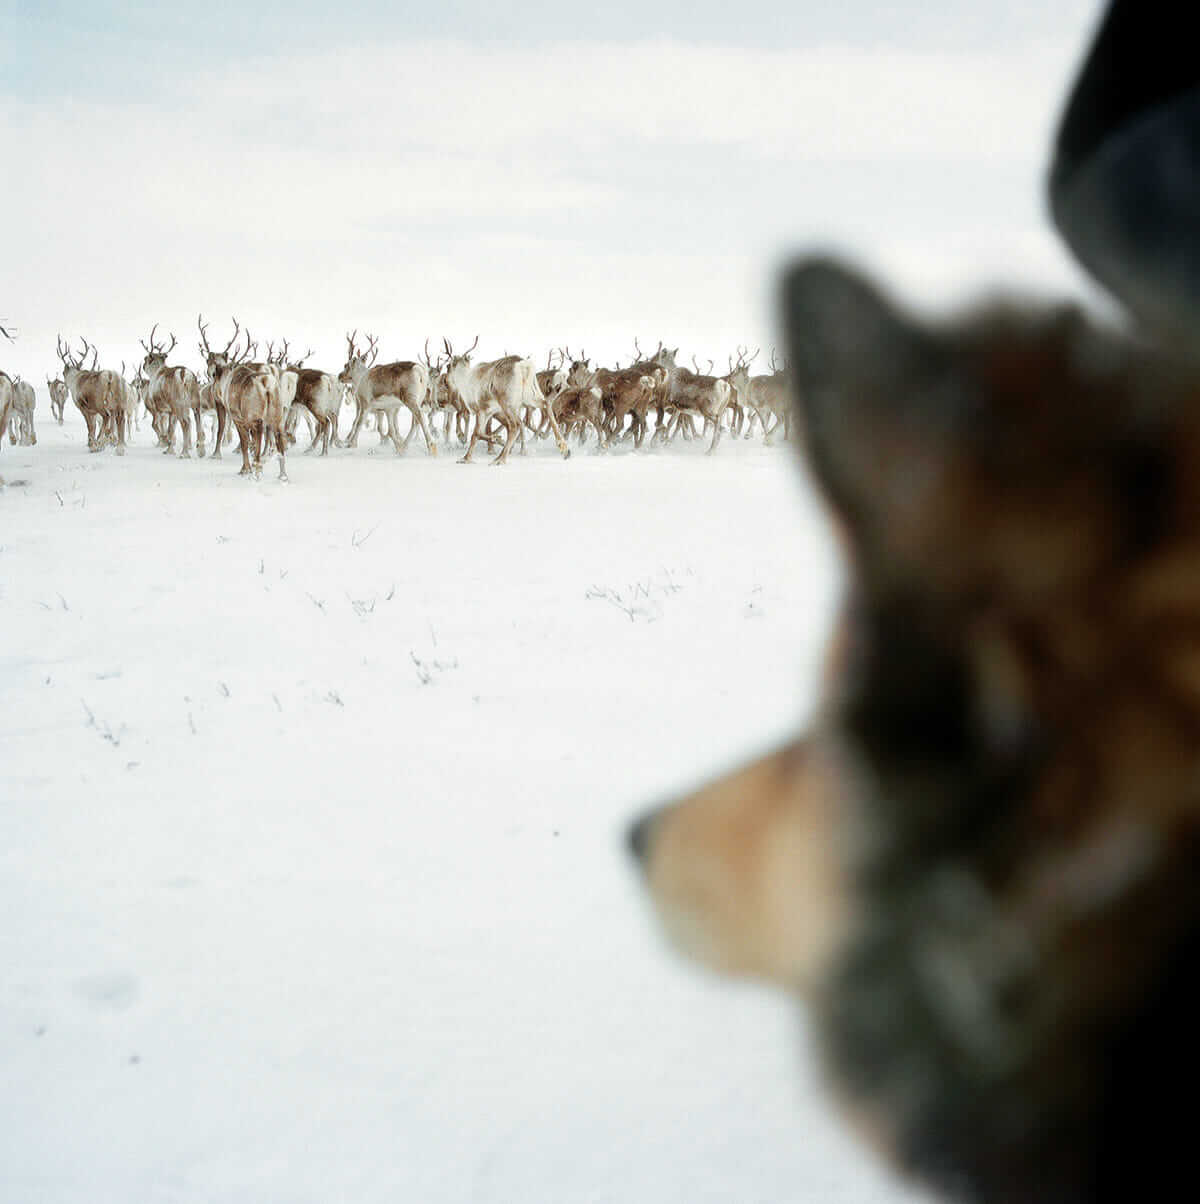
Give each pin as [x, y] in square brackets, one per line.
[312, 800]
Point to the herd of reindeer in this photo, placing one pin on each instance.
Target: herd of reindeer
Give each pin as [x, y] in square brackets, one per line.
[499, 401]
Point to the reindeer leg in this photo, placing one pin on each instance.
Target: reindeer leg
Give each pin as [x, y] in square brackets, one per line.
[474, 439]
[220, 418]
[393, 431]
[419, 419]
[243, 434]
[359, 414]
[511, 429]
[717, 429]
[559, 441]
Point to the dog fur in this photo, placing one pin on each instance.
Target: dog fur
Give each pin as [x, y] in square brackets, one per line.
[981, 866]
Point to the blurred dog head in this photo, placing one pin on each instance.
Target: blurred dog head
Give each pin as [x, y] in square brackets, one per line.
[980, 867]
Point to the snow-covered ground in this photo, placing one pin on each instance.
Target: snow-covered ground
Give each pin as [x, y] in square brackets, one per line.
[311, 805]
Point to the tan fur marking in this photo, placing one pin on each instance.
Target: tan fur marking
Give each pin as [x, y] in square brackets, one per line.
[745, 873]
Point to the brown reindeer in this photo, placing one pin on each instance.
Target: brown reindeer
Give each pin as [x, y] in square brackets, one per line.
[252, 399]
[700, 394]
[173, 392]
[626, 393]
[383, 389]
[97, 395]
[219, 364]
[498, 389]
[317, 394]
[577, 407]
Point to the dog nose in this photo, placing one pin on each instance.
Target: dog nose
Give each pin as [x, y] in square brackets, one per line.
[638, 836]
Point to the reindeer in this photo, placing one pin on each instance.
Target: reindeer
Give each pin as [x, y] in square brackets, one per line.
[766, 397]
[658, 367]
[384, 388]
[773, 395]
[498, 389]
[552, 381]
[626, 393]
[315, 394]
[701, 394]
[442, 399]
[580, 371]
[24, 402]
[6, 399]
[252, 400]
[175, 392]
[738, 379]
[247, 393]
[130, 397]
[578, 405]
[96, 393]
[58, 398]
[219, 364]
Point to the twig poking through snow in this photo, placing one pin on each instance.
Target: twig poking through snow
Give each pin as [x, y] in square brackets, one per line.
[106, 732]
[357, 542]
[362, 608]
[427, 669]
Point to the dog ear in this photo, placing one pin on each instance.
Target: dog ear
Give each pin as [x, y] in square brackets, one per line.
[877, 400]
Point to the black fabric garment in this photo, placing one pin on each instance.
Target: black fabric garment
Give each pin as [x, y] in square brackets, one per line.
[1125, 183]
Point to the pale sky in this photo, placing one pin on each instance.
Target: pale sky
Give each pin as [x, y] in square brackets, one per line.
[537, 176]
